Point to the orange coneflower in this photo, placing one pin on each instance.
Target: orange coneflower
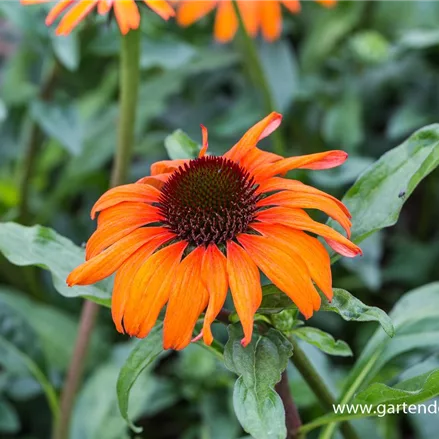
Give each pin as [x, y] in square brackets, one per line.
[195, 228]
[125, 11]
[264, 15]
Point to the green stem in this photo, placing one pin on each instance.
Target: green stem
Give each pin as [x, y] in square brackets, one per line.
[313, 379]
[129, 80]
[257, 71]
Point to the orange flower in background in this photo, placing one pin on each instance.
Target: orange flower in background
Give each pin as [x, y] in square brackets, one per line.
[126, 12]
[257, 15]
[195, 228]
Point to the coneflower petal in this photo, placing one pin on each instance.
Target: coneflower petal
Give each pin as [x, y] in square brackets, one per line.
[150, 289]
[166, 166]
[127, 15]
[157, 181]
[77, 13]
[141, 193]
[187, 301]
[271, 19]
[161, 8]
[310, 250]
[226, 22]
[191, 11]
[58, 9]
[292, 5]
[123, 281]
[286, 270]
[214, 277]
[245, 285]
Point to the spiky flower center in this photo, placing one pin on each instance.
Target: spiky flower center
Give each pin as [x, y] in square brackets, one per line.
[209, 199]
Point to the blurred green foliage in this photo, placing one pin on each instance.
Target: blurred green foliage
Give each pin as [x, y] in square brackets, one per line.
[360, 77]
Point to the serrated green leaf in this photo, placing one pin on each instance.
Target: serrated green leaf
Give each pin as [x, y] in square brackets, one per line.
[43, 247]
[377, 197]
[259, 366]
[324, 341]
[343, 303]
[143, 354]
[180, 146]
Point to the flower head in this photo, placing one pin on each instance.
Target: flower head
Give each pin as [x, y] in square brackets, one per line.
[257, 15]
[195, 228]
[126, 12]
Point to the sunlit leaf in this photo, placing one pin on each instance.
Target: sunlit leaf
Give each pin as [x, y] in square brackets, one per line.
[324, 341]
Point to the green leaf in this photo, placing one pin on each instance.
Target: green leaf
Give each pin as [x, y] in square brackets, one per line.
[259, 366]
[143, 354]
[379, 399]
[9, 421]
[60, 121]
[343, 303]
[324, 341]
[67, 50]
[377, 197]
[43, 247]
[180, 146]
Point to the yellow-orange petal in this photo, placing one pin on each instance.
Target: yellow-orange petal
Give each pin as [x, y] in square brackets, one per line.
[150, 289]
[271, 18]
[258, 132]
[286, 270]
[107, 262]
[127, 15]
[251, 16]
[161, 8]
[300, 220]
[157, 180]
[166, 166]
[123, 281]
[322, 160]
[74, 16]
[57, 9]
[292, 5]
[104, 6]
[278, 183]
[190, 11]
[310, 249]
[140, 193]
[245, 286]
[205, 141]
[226, 22]
[214, 277]
[118, 226]
[297, 200]
[187, 301]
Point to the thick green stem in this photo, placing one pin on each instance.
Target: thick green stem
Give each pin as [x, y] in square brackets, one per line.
[129, 80]
[257, 72]
[317, 385]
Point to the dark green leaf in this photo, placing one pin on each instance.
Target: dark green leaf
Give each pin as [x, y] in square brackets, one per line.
[9, 421]
[143, 354]
[43, 247]
[259, 366]
[324, 341]
[67, 50]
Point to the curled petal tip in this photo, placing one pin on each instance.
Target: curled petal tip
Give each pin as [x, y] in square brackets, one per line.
[244, 342]
[197, 338]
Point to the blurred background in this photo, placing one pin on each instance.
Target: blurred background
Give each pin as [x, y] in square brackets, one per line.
[361, 76]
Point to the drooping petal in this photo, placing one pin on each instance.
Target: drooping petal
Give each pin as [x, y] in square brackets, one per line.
[57, 10]
[257, 157]
[157, 181]
[286, 270]
[322, 160]
[297, 200]
[251, 16]
[123, 281]
[141, 193]
[150, 289]
[327, 3]
[278, 184]
[161, 8]
[107, 262]
[310, 249]
[127, 15]
[245, 285]
[166, 166]
[292, 5]
[271, 19]
[258, 132]
[187, 301]
[300, 220]
[205, 142]
[214, 277]
[104, 6]
[226, 22]
[115, 223]
[74, 16]
[191, 11]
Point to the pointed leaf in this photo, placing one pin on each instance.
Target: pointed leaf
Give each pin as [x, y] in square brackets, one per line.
[324, 341]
